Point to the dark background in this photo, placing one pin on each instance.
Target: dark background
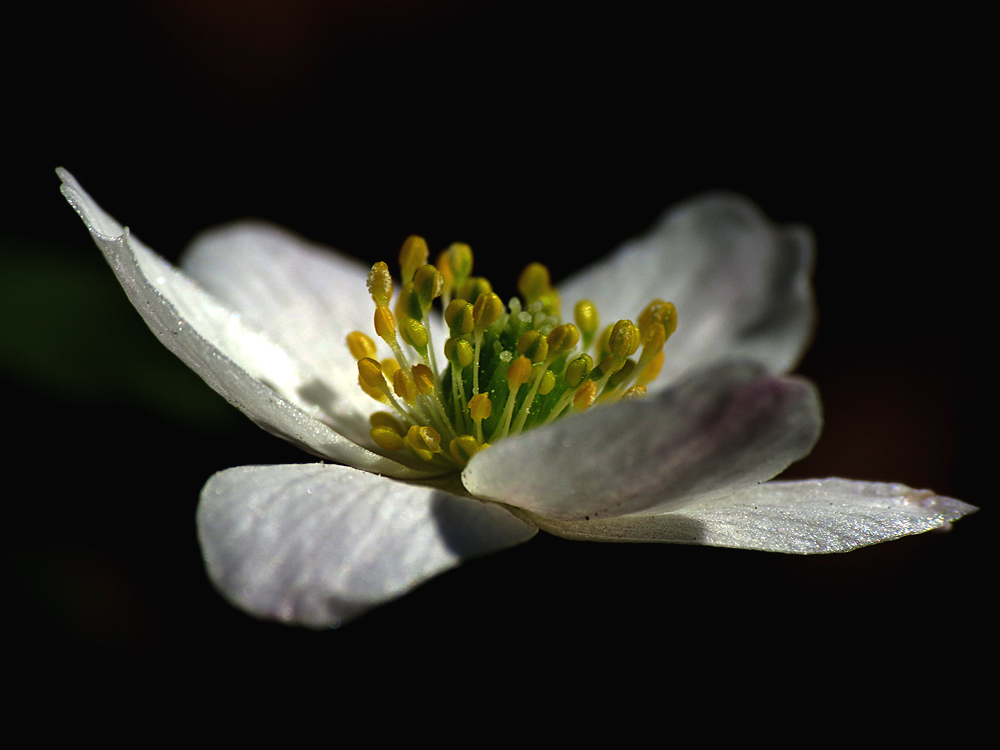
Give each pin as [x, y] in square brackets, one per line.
[531, 134]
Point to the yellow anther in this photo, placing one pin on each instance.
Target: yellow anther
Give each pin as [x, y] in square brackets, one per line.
[459, 315]
[473, 288]
[385, 324]
[609, 366]
[386, 439]
[518, 374]
[463, 448]
[412, 255]
[563, 339]
[533, 345]
[375, 394]
[624, 339]
[408, 303]
[403, 385]
[579, 370]
[587, 320]
[389, 367]
[480, 407]
[385, 420]
[428, 282]
[636, 391]
[380, 283]
[653, 340]
[360, 345]
[423, 376]
[650, 371]
[425, 441]
[458, 260]
[585, 396]
[658, 311]
[458, 351]
[548, 383]
[533, 282]
[486, 310]
[414, 333]
[623, 374]
[370, 373]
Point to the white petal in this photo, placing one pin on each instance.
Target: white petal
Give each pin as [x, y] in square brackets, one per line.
[317, 545]
[306, 298]
[808, 517]
[248, 369]
[718, 430]
[740, 285]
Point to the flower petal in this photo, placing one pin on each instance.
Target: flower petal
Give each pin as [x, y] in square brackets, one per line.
[740, 285]
[317, 545]
[253, 373]
[718, 430]
[305, 297]
[807, 517]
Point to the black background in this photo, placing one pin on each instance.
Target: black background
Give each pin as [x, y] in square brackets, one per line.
[531, 133]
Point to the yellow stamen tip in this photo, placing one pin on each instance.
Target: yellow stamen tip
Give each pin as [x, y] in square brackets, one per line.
[414, 333]
[386, 438]
[385, 324]
[458, 351]
[650, 371]
[380, 283]
[463, 448]
[533, 345]
[587, 320]
[518, 373]
[425, 441]
[412, 255]
[563, 338]
[636, 391]
[370, 373]
[585, 396]
[579, 370]
[428, 283]
[480, 407]
[403, 385]
[360, 345]
[487, 309]
[533, 282]
[386, 420]
[473, 288]
[423, 376]
[624, 339]
[460, 317]
[548, 383]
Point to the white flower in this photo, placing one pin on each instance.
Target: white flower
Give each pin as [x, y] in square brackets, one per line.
[262, 316]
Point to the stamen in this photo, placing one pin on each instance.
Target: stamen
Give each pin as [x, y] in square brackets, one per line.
[506, 347]
[412, 255]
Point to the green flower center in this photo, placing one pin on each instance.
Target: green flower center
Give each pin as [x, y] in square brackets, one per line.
[509, 368]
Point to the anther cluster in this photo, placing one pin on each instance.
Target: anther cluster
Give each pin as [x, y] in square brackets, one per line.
[509, 368]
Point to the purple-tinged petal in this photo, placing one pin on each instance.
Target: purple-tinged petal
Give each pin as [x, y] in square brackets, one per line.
[740, 285]
[719, 430]
[807, 517]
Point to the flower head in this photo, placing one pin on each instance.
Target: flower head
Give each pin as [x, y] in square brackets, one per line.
[448, 431]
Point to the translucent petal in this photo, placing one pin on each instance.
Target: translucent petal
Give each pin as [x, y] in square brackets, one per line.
[252, 372]
[808, 517]
[317, 545]
[306, 298]
[718, 430]
[740, 285]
